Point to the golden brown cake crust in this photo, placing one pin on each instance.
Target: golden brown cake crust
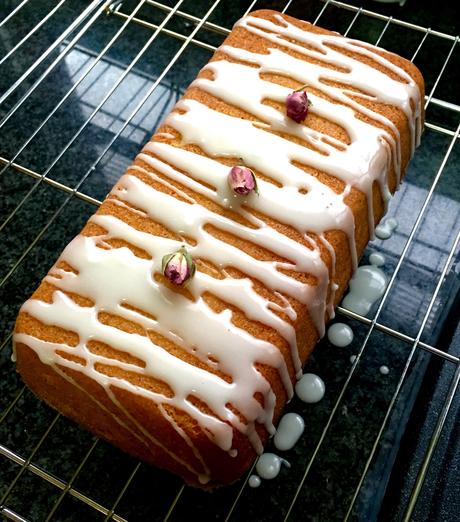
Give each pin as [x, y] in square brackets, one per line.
[87, 402]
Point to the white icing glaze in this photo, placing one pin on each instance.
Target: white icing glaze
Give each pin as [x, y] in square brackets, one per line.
[114, 278]
[377, 259]
[349, 164]
[138, 289]
[189, 219]
[340, 334]
[310, 388]
[384, 370]
[254, 481]
[219, 134]
[377, 85]
[385, 229]
[166, 135]
[366, 287]
[288, 432]
[268, 465]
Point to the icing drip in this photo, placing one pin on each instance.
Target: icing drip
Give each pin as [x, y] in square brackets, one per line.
[310, 388]
[254, 481]
[289, 430]
[268, 465]
[377, 259]
[119, 282]
[340, 334]
[367, 286]
[385, 230]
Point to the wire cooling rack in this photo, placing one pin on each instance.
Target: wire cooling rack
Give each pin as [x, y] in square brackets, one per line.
[55, 168]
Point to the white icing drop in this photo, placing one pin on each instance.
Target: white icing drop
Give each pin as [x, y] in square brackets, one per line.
[384, 370]
[385, 230]
[290, 428]
[120, 283]
[366, 288]
[393, 223]
[254, 481]
[268, 465]
[377, 259]
[352, 358]
[340, 334]
[310, 388]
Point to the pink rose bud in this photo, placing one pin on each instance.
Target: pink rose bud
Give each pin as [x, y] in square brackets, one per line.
[242, 180]
[178, 267]
[297, 106]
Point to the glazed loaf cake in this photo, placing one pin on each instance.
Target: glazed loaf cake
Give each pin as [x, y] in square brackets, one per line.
[193, 378]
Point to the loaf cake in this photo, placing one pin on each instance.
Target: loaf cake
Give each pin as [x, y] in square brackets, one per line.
[192, 377]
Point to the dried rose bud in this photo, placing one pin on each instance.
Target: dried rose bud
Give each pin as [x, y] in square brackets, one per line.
[178, 267]
[297, 106]
[242, 180]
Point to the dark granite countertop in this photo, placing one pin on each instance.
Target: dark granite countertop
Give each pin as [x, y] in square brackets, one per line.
[339, 462]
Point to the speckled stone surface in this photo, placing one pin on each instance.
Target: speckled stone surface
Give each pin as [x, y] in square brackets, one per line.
[48, 218]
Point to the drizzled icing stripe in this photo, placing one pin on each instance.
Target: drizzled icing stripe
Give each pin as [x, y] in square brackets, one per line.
[46, 351]
[402, 94]
[120, 283]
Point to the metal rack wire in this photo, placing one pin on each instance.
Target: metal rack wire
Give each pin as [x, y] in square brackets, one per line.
[82, 25]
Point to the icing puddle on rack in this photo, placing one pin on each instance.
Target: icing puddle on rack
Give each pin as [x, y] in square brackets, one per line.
[268, 467]
[340, 334]
[366, 287]
[385, 229]
[289, 431]
[310, 388]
